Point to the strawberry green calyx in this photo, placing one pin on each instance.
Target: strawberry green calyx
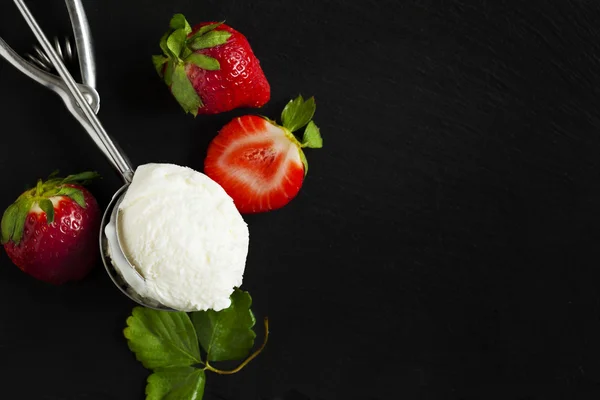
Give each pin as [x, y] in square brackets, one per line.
[297, 114]
[179, 50]
[13, 220]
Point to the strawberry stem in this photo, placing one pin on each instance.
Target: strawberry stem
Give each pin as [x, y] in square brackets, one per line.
[247, 360]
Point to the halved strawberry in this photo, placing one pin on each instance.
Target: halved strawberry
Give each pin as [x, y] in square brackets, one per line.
[260, 164]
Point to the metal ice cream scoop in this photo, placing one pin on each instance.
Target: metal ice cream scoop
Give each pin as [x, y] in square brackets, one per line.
[125, 276]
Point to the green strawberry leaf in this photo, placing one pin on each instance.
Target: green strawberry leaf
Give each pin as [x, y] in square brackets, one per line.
[304, 161]
[53, 182]
[74, 194]
[204, 62]
[162, 339]
[227, 334]
[82, 178]
[297, 113]
[48, 208]
[186, 53]
[312, 136]
[163, 44]
[159, 64]
[7, 226]
[39, 187]
[179, 22]
[184, 92]
[176, 42]
[178, 383]
[209, 39]
[205, 29]
[169, 72]
[24, 206]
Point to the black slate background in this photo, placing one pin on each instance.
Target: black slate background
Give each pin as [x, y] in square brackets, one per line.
[444, 244]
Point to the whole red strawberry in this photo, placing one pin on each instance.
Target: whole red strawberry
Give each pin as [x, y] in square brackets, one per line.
[211, 68]
[51, 231]
[260, 164]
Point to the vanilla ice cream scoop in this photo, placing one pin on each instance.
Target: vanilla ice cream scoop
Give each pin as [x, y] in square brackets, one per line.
[183, 234]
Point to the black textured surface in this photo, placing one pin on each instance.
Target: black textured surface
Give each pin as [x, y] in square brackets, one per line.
[444, 244]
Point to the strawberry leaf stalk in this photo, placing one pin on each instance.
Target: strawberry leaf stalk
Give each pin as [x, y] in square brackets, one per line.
[51, 230]
[260, 163]
[210, 68]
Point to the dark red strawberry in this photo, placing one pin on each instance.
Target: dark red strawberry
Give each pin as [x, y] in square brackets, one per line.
[260, 164]
[51, 231]
[211, 68]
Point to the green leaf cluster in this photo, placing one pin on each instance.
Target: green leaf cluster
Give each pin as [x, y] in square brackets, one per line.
[180, 49]
[13, 220]
[298, 113]
[170, 344]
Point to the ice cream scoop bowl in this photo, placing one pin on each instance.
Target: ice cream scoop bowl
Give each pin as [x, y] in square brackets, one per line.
[126, 278]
